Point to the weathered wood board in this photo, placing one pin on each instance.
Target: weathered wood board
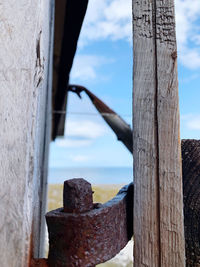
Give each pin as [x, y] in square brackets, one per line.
[158, 199]
[25, 65]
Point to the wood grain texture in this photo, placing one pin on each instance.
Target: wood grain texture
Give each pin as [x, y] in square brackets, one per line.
[191, 192]
[146, 235]
[24, 59]
[170, 167]
[158, 204]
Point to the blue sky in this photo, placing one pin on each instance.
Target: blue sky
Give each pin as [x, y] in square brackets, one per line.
[103, 64]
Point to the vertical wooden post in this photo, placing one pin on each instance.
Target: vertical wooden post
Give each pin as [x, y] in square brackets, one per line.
[39, 222]
[158, 200]
[25, 103]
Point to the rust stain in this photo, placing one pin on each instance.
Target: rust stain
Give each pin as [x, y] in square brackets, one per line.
[30, 253]
[39, 263]
[174, 55]
[35, 262]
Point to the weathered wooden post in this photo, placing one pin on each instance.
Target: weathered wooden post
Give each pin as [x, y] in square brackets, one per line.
[25, 108]
[158, 199]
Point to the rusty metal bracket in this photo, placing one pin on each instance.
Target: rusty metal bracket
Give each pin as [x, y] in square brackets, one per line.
[106, 228]
[86, 234]
[39, 263]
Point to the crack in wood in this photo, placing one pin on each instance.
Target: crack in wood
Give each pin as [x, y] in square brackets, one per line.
[158, 213]
[39, 65]
[154, 18]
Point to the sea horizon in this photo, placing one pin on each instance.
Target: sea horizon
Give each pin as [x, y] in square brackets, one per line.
[94, 175]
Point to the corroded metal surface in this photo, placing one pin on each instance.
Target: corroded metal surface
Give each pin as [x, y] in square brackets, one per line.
[77, 196]
[39, 263]
[92, 237]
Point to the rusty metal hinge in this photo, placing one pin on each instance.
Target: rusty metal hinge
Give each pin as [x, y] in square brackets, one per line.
[83, 233]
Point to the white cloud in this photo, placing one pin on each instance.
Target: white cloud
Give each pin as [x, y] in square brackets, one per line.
[191, 121]
[67, 142]
[190, 126]
[187, 15]
[79, 133]
[79, 158]
[196, 39]
[190, 58]
[194, 123]
[84, 129]
[112, 19]
[190, 78]
[107, 19]
[85, 67]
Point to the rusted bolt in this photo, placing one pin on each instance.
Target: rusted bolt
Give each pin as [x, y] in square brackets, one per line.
[77, 196]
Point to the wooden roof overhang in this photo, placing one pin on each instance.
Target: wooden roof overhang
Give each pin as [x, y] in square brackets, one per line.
[69, 15]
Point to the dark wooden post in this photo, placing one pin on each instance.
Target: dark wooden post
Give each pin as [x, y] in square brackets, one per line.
[191, 190]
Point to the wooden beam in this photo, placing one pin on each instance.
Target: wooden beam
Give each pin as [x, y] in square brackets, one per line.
[39, 226]
[69, 24]
[158, 199]
[25, 110]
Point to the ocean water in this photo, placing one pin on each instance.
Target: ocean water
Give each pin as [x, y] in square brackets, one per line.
[100, 175]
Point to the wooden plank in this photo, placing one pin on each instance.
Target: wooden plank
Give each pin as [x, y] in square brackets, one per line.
[24, 49]
[60, 10]
[146, 225]
[170, 171]
[158, 210]
[64, 55]
[40, 240]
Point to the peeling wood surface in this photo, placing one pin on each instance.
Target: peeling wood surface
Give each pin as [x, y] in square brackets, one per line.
[24, 48]
[158, 210]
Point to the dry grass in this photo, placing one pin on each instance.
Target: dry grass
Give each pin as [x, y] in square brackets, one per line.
[102, 193]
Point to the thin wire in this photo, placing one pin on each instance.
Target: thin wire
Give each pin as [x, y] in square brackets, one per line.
[85, 113]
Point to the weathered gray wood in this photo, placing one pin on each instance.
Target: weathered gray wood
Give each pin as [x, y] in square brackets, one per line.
[158, 210]
[40, 245]
[24, 68]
